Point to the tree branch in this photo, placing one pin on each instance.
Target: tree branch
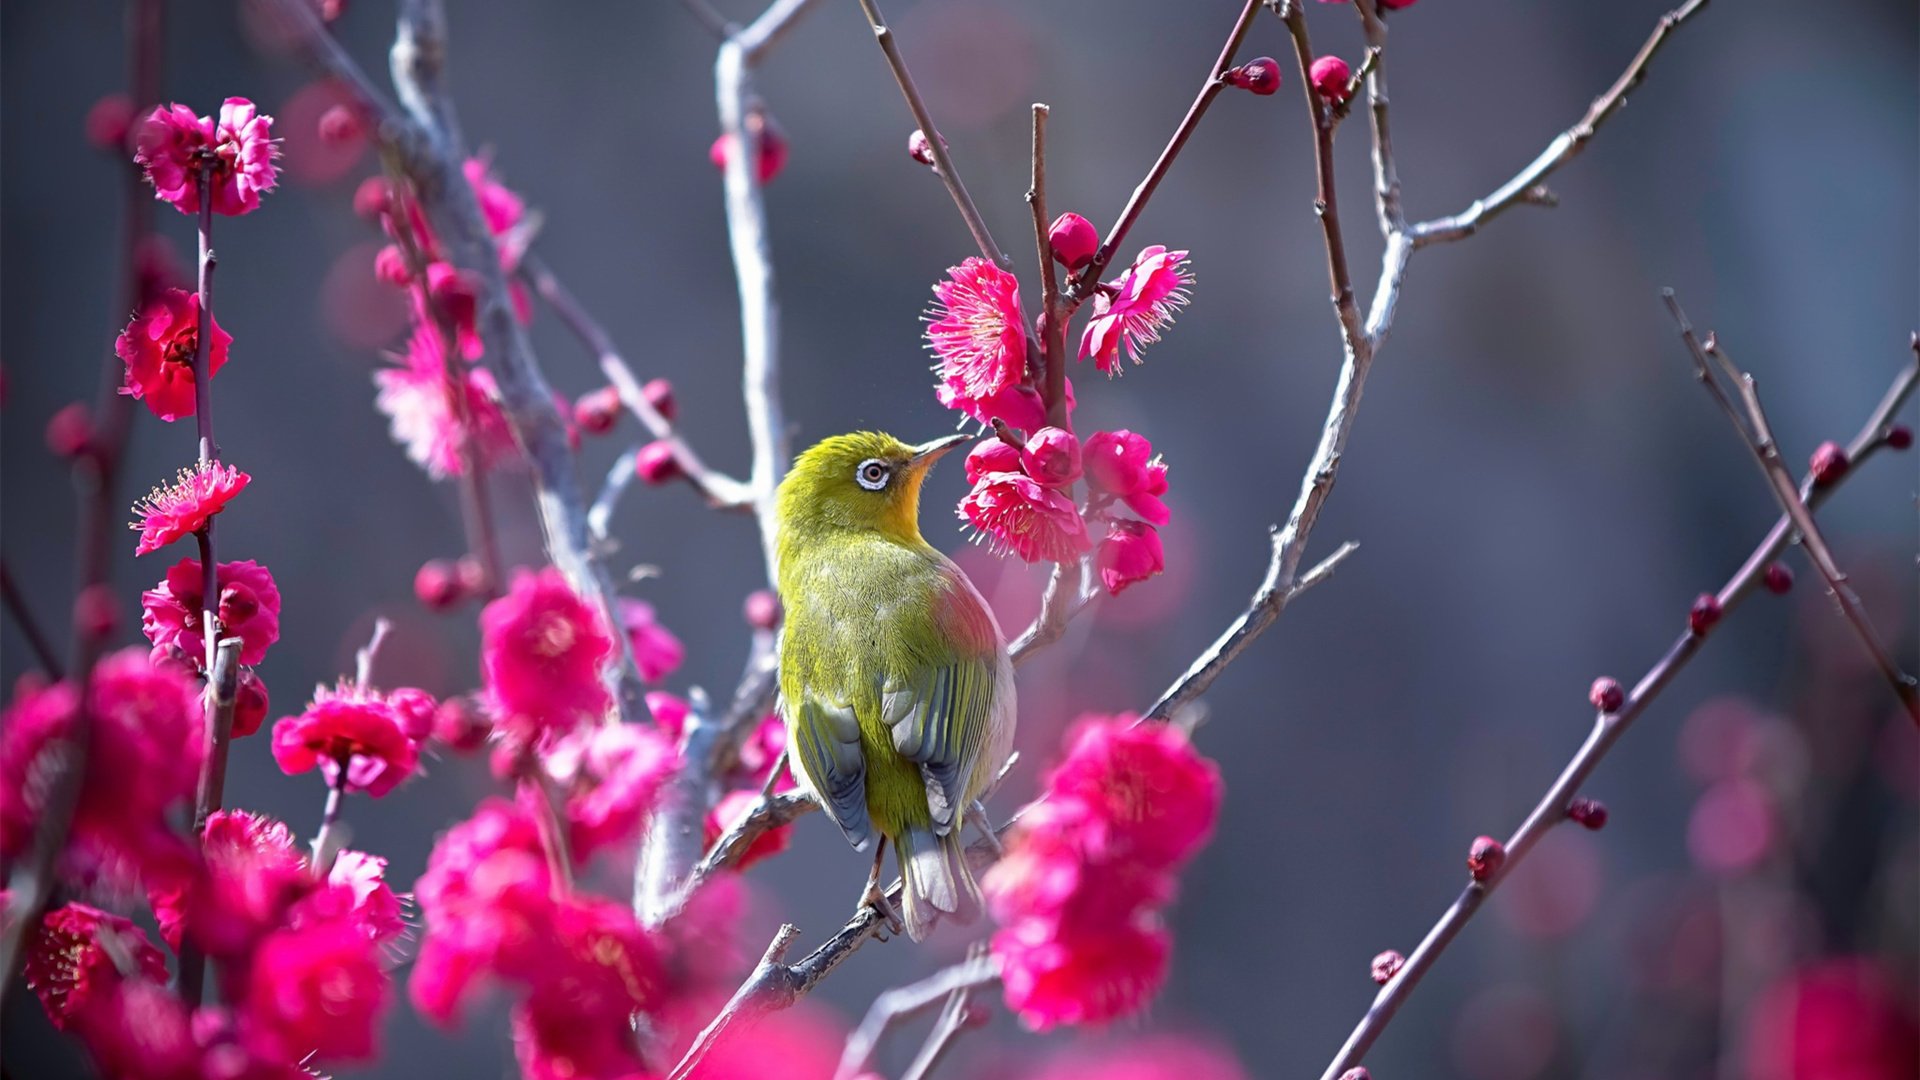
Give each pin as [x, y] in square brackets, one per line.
[30, 628]
[1757, 435]
[904, 1002]
[1607, 729]
[1052, 329]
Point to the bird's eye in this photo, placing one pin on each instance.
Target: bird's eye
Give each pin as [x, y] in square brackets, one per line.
[873, 474]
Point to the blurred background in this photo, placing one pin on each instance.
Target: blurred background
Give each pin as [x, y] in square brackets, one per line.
[1538, 487]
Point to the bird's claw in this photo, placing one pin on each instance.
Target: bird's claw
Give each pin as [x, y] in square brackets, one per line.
[876, 898]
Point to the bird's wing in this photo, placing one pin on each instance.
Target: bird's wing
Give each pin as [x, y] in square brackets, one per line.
[938, 706]
[826, 744]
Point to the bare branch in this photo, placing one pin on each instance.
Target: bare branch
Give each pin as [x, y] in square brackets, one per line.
[1052, 328]
[943, 166]
[1607, 729]
[22, 612]
[904, 1002]
[1757, 435]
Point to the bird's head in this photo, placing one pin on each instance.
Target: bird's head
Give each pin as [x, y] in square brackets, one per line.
[863, 482]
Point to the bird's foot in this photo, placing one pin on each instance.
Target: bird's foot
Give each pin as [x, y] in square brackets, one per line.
[875, 897]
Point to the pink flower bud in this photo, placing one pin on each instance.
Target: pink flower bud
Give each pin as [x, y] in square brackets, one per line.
[109, 121]
[70, 431]
[340, 126]
[1387, 965]
[919, 150]
[773, 152]
[1074, 240]
[1485, 857]
[1130, 554]
[1829, 464]
[1705, 612]
[597, 411]
[471, 575]
[1899, 436]
[1330, 76]
[390, 266]
[1358, 1072]
[461, 725]
[1052, 457]
[1260, 75]
[250, 704]
[1606, 695]
[659, 394]
[437, 585]
[1778, 579]
[655, 463]
[373, 198]
[1589, 813]
[1116, 462]
[991, 455]
[96, 612]
[762, 609]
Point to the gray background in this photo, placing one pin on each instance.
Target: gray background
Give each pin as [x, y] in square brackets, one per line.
[1538, 487]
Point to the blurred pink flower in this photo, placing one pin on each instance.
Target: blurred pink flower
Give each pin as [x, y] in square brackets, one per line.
[1088, 978]
[413, 394]
[542, 653]
[316, 993]
[351, 728]
[457, 295]
[71, 971]
[611, 776]
[171, 614]
[656, 651]
[1130, 554]
[1140, 306]
[248, 872]
[140, 1030]
[1839, 1018]
[158, 348]
[1015, 513]
[484, 901]
[171, 142]
[499, 205]
[1157, 794]
[1149, 1057]
[143, 759]
[669, 713]
[1732, 827]
[976, 330]
[773, 151]
[182, 508]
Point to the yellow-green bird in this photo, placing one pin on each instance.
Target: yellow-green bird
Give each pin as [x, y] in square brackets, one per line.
[894, 679]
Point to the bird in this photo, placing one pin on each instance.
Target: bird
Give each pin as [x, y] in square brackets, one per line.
[895, 683]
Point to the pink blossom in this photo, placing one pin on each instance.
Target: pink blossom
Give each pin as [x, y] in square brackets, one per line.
[1149, 1057]
[1130, 554]
[976, 330]
[1082, 979]
[1052, 456]
[184, 507]
[172, 144]
[499, 205]
[555, 1043]
[456, 294]
[1839, 1018]
[1074, 240]
[1063, 872]
[773, 151]
[143, 759]
[1159, 796]
[351, 728]
[1016, 513]
[249, 871]
[1018, 405]
[1140, 305]
[70, 969]
[542, 651]
[761, 752]
[171, 613]
[1330, 76]
[141, 1030]
[316, 992]
[669, 712]
[413, 394]
[250, 704]
[992, 455]
[373, 906]
[611, 775]
[158, 349]
[656, 652]
[109, 121]
[486, 904]
[462, 725]
[1121, 463]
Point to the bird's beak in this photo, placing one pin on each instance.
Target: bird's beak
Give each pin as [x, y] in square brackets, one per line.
[929, 452]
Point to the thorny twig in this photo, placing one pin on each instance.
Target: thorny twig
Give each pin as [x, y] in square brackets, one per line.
[1607, 729]
[1757, 434]
[904, 1002]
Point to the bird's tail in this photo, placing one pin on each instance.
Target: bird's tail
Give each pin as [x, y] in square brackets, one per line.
[936, 880]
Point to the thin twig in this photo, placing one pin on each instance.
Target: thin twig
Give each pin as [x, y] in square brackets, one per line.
[716, 24]
[904, 1002]
[1564, 147]
[223, 681]
[943, 166]
[719, 489]
[364, 656]
[953, 1019]
[1757, 435]
[326, 846]
[30, 628]
[1607, 729]
[1052, 329]
[756, 994]
[1083, 282]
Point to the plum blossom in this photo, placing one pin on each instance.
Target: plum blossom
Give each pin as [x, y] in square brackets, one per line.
[1121, 464]
[158, 349]
[349, 728]
[1130, 554]
[172, 144]
[1136, 308]
[70, 969]
[1082, 978]
[413, 393]
[182, 508]
[1015, 513]
[316, 991]
[541, 654]
[610, 775]
[1052, 456]
[1154, 791]
[656, 651]
[976, 331]
[171, 613]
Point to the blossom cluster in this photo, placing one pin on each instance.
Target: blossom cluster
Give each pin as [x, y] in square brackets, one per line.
[1023, 497]
[1090, 867]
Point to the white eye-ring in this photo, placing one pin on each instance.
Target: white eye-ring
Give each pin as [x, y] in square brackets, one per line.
[873, 474]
